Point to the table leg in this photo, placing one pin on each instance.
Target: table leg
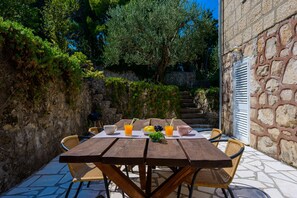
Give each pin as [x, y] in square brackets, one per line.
[148, 180]
[121, 180]
[173, 182]
[142, 176]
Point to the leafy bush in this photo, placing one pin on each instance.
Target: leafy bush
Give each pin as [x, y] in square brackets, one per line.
[207, 99]
[37, 62]
[142, 99]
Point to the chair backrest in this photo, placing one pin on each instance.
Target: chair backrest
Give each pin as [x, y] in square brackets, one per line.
[94, 130]
[68, 143]
[216, 134]
[234, 150]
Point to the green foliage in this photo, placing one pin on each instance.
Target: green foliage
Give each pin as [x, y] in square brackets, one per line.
[156, 33]
[37, 62]
[22, 11]
[58, 22]
[211, 95]
[141, 99]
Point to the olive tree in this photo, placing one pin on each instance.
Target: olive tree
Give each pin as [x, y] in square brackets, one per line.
[155, 33]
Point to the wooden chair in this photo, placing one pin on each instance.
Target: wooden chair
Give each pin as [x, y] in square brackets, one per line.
[94, 130]
[81, 172]
[216, 134]
[221, 177]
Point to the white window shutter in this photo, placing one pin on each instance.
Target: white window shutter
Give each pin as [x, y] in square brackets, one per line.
[241, 98]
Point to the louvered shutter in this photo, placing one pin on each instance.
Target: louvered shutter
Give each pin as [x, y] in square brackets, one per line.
[241, 111]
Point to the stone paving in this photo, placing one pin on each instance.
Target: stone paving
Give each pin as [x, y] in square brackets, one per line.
[258, 176]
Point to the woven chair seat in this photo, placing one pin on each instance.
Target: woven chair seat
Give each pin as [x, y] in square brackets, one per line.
[215, 178]
[87, 173]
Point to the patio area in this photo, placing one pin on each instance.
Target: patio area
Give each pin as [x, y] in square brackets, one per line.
[257, 176]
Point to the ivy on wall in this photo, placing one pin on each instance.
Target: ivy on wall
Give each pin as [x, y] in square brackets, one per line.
[142, 99]
[37, 62]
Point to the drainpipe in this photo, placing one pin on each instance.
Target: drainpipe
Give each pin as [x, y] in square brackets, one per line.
[220, 3]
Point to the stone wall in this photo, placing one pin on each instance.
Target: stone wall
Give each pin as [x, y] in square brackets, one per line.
[245, 19]
[265, 31]
[31, 133]
[181, 79]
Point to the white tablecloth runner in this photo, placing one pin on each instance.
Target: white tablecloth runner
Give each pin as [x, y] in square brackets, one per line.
[139, 134]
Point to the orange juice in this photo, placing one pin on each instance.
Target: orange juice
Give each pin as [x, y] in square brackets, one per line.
[169, 131]
[128, 129]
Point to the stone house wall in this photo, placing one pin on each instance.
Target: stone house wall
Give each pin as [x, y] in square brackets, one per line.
[265, 31]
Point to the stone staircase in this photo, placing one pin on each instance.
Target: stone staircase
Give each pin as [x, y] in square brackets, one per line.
[190, 114]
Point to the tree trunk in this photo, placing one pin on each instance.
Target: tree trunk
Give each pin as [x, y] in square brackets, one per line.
[161, 67]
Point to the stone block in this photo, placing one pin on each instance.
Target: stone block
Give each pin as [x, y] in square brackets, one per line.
[255, 86]
[288, 152]
[286, 115]
[286, 94]
[260, 44]
[269, 20]
[272, 85]
[266, 6]
[249, 50]
[246, 7]
[255, 14]
[272, 100]
[274, 133]
[247, 34]
[242, 24]
[288, 8]
[253, 140]
[263, 70]
[270, 47]
[295, 48]
[287, 133]
[266, 116]
[266, 145]
[238, 11]
[276, 68]
[286, 34]
[253, 113]
[262, 99]
[257, 27]
[254, 102]
[256, 128]
[284, 52]
[296, 97]
[290, 76]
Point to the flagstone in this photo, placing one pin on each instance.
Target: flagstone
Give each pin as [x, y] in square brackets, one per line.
[289, 189]
[268, 169]
[281, 176]
[279, 166]
[244, 174]
[262, 177]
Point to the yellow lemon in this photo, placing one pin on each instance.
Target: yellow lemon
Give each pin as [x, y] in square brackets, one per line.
[149, 129]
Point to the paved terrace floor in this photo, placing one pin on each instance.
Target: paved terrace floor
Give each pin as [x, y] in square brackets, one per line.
[257, 176]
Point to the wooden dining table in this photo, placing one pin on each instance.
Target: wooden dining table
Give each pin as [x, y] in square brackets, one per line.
[183, 155]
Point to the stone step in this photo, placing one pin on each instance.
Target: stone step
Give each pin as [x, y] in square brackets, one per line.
[190, 110]
[186, 96]
[195, 120]
[187, 100]
[192, 115]
[188, 105]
